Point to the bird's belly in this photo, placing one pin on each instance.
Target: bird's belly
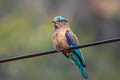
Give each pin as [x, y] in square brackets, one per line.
[61, 42]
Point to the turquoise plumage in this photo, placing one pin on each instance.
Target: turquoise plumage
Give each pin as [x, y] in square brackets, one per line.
[63, 38]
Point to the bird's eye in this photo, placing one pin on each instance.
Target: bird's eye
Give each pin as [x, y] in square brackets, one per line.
[60, 21]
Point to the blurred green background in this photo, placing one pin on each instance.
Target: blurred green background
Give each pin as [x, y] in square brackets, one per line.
[25, 28]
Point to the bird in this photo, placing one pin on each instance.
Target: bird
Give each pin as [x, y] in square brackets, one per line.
[64, 38]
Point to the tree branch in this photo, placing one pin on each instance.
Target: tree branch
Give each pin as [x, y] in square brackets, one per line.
[54, 51]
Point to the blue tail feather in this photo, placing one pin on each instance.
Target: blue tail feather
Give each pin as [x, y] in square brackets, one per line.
[76, 60]
[80, 56]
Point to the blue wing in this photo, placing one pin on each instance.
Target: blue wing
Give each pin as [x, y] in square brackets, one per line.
[76, 55]
[72, 41]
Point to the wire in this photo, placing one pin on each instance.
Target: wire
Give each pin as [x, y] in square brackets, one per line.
[54, 51]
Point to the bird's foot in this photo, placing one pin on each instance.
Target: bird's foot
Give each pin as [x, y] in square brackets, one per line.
[66, 51]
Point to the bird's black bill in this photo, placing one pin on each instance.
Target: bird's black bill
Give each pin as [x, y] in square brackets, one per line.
[53, 21]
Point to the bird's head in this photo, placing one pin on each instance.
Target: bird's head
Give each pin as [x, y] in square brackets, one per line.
[60, 21]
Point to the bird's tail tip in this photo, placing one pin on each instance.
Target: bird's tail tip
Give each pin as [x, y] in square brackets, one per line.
[85, 76]
[84, 73]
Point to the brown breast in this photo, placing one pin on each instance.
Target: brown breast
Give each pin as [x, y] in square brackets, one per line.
[59, 40]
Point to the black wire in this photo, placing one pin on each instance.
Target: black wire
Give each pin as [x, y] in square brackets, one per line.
[54, 51]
